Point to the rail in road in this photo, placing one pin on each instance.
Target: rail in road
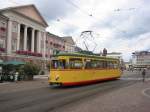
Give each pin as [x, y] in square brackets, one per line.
[47, 99]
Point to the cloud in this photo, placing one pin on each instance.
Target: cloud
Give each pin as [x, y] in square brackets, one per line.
[53, 9]
[122, 25]
[50, 9]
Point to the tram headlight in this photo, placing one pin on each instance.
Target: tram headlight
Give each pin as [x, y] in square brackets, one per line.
[56, 77]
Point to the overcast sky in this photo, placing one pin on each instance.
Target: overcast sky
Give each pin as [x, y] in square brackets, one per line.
[118, 25]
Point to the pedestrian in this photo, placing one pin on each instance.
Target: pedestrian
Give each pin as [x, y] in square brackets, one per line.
[132, 69]
[11, 78]
[0, 78]
[143, 74]
[16, 76]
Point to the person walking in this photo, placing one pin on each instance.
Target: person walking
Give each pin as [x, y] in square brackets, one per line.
[16, 76]
[0, 78]
[143, 74]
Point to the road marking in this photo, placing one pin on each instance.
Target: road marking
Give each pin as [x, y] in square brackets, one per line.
[134, 79]
[41, 76]
[144, 92]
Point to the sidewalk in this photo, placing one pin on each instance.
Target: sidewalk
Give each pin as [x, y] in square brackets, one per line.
[36, 77]
[7, 87]
[134, 98]
[3, 83]
[41, 76]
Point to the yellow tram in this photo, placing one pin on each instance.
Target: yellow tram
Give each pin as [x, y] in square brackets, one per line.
[69, 69]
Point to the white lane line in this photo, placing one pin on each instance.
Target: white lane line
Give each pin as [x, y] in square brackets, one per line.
[41, 76]
[144, 92]
[134, 79]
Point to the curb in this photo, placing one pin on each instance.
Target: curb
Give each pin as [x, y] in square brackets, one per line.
[5, 83]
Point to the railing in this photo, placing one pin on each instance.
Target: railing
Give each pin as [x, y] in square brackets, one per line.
[29, 53]
[2, 49]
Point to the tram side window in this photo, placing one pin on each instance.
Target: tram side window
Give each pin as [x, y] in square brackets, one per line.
[116, 65]
[93, 64]
[100, 64]
[88, 65]
[62, 64]
[105, 64]
[110, 64]
[75, 63]
[54, 64]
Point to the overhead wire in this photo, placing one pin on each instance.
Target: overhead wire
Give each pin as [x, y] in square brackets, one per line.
[59, 19]
[83, 11]
[77, 7]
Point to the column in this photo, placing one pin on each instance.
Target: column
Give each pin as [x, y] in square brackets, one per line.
[9, 37]
[39, 42]
[25, 38]
[18, 37]
[32, 44]
[44, 49]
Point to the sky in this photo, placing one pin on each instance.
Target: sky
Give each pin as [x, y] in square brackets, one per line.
[117, 25]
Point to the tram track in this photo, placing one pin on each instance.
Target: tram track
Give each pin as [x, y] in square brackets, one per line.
[90, 93]
[51, 99]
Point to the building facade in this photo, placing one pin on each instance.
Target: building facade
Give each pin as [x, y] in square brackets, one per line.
[117, 55]
[54, 44]
[141, 59]
[22, 34]
[69, 44]
[3, 32]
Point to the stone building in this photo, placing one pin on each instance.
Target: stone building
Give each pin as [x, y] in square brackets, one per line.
[117, 55]
[141, 59]
[22, 34]
[69, 44]
[54, 44]
[3, 32]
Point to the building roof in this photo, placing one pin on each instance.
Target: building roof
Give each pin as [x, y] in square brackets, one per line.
[4, 17]
[18, 9]
[127, 62]
[77, 48]
[141, 53]
[114, 53]
[83, 55]
[54, 36]
[69, 39]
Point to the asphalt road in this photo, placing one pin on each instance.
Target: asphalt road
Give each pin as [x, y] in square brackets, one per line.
[47, 99]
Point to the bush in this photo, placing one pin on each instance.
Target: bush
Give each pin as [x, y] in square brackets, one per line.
[29, 70]
[42, 72]
[7, 69]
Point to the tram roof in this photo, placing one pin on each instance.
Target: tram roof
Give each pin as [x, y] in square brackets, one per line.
[83, 55]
